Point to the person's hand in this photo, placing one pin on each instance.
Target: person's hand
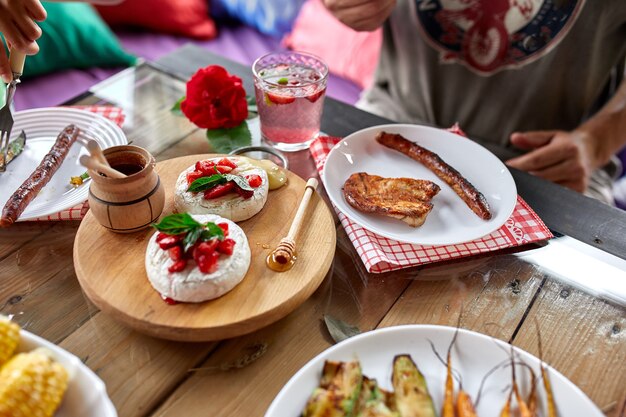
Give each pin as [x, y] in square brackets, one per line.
[565, 158]
[361, 15]
[19, 29]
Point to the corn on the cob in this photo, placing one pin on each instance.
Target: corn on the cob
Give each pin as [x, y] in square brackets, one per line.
[31, 385]
[9, 338]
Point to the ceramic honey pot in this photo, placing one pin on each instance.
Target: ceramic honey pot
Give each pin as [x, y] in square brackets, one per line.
[126, 205]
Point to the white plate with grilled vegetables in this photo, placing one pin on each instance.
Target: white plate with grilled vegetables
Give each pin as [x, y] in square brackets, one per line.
[474, 357]
[85, 395]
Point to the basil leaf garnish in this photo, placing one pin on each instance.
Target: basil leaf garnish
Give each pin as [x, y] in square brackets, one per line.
[175, 224]
[191, 238]
[204, 183]
[240, 181]
[212, 230]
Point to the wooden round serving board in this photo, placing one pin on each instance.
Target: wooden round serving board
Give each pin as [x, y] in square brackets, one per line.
[110, 268]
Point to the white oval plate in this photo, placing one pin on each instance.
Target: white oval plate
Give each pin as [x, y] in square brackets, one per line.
[473, 355]
[42, 126]
[451, 221]
[86, 394]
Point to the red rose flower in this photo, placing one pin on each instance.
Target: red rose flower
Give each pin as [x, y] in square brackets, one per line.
[215, 99]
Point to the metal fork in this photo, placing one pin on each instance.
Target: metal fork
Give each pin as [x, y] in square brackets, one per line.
[16, 60]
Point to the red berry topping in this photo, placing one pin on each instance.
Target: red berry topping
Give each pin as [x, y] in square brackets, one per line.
[191, 251]
[316, 96]
[208, 263]
[279, 99]
[227, 163]
[208, 247]
[169, 300]
[226, 246]
[254, 180]
[178, 266]
[224, 227]
[193, 175]
[176, 253]
[161, 236]
[246, 194]
[220, 190]
[223, 169]
[206, 167]
[169, 242]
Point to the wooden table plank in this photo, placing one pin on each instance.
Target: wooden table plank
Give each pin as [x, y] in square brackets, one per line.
[13, 238]
[139, 371]
[55, 309]
[492, 300]
[35, 267]
[583, 338]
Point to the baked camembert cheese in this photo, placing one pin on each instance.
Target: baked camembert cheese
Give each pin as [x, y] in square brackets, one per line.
[230, 187]
[194, 258]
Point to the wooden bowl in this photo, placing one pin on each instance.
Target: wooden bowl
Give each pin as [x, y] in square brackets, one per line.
[126, 205]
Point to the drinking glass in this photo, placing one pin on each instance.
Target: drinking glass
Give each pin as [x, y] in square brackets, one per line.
[290, 88]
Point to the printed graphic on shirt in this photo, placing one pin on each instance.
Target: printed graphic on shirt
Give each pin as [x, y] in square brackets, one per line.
[491, 35]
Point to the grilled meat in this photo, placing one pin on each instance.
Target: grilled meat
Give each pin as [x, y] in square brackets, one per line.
[406, 199]
[461, 186]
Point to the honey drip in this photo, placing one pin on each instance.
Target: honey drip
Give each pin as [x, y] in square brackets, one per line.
[275, 265]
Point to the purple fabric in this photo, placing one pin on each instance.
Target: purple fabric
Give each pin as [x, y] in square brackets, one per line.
[239, 43]
[54, 89]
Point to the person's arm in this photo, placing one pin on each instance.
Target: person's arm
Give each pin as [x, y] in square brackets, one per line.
[361, 15]
[17, 24]
[568, 158]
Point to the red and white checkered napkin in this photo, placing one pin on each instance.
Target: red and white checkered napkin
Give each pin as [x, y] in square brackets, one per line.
[114, 114]
[380, 254]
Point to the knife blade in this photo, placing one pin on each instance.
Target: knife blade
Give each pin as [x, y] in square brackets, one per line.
[16, 62]
[15, 148]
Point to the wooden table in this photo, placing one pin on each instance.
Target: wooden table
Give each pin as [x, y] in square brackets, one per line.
[502, 295]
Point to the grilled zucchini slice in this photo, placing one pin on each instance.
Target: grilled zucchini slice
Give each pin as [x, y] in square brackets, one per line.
[377, 409]
[324, 403]
[372, 401]
[411, 392]
[338, 392]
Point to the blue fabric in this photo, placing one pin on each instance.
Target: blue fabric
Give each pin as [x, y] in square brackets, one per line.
[271, 17]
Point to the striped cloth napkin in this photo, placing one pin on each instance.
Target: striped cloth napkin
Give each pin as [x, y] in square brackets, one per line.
[77, 212]
[380, 254]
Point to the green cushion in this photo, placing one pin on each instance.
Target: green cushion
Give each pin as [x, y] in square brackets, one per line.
[74, 36]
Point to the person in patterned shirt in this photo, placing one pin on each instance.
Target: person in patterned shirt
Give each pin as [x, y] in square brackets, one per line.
[540, 77]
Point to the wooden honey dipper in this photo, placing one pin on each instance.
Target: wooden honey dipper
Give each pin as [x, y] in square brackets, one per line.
[283, 257]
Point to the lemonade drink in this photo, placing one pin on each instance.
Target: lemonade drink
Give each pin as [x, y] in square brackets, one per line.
[290, 89]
